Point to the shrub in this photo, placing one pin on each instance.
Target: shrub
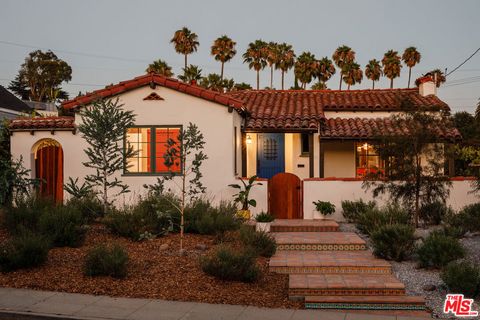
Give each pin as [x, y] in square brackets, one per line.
[201, 217]
[264, 217]
[260, 242]
[106, 261]
[324, 207]
[433, 213]
[89, 206]
[462, 277]
[26, 213]
[63, 225]
[150, 216]
[353, 209]
[438, 250]
[394, 242]
[25, 250]
[374, 218]
[469, 216]
[230, 264]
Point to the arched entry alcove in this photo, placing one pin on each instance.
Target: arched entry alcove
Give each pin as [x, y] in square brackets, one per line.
[48, 162]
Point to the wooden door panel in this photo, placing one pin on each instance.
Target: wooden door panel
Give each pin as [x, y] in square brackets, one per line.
[285, 196]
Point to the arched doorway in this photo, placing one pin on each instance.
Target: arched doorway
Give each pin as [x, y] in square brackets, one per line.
[285, 196]
[48, 155]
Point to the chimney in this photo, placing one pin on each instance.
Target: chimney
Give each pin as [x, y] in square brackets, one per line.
[426, 86]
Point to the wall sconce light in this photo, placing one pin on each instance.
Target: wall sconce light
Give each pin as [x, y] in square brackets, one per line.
[249, 139]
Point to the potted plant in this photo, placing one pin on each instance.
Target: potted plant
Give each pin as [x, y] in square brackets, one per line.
[264, 219]
[325, 208]
[242, 196]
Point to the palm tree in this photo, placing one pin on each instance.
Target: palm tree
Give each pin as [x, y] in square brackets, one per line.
[391, 65]
[255, 56]
[185, 42]
[273, 57]
[373, 71]
[286, 59]
[411, 57]
[241, 86]
[190, 74]
[325, 70]
[305, 68]
[223, 49]
[352, 74]
[477, 111]
[438, 77]
[160, 67]
[212, 82]
[319, 86]
[343, 55]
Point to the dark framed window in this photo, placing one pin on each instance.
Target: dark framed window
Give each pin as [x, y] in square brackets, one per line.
[305, 151]
[367, 160]
[150, 142]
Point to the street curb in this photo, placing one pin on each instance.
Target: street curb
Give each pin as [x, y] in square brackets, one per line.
[19, 315]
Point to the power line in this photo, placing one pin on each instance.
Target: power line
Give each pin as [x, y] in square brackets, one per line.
[461, 64]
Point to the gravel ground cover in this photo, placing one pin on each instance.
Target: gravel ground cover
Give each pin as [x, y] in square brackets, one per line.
[155, 271]
[426, 282]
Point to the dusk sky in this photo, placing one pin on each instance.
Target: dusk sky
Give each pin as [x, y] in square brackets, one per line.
[110, 41]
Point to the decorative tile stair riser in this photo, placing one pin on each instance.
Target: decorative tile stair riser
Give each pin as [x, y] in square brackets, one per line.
[322, 247]
[332, 270]
[369, 306]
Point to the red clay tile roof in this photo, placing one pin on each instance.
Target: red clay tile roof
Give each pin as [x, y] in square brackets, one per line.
[358, 128]
[39, 123]
[302, 109]
[158, 80]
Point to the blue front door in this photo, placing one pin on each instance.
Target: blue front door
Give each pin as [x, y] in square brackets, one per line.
[270, 154]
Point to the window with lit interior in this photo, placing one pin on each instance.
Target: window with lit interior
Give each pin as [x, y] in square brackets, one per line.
[367, 160]
[150, 142]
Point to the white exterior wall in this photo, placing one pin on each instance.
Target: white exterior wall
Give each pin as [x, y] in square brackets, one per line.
[337, 190]
[293, 156]
[213, 120]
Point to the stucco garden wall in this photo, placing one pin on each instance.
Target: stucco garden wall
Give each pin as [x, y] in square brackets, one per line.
[337, 190]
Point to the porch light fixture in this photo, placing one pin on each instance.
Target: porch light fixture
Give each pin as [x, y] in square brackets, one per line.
[249, 139]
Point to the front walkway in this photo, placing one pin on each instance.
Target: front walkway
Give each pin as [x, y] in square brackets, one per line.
[31, 304]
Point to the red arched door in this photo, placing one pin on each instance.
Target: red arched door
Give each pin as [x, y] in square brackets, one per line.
[49, 171]
[285, 196]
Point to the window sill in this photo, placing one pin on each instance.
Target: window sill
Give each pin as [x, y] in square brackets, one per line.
[304, 155]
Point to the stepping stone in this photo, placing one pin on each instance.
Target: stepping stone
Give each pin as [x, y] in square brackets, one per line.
[302, 285]
[414, 303]
[319, 241]
[333, 262]
[303, 225]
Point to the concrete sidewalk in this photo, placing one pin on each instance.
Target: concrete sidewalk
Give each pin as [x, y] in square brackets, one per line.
[31, 304]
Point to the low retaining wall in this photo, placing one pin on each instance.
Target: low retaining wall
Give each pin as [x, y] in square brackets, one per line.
[336, 190]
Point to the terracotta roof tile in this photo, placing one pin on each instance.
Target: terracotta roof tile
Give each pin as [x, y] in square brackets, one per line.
[39, 123]
[302, 109]
[159, 80]
[358, 128]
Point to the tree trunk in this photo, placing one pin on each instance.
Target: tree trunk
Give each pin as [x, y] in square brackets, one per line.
[373, 84]
[348, 88]
[221, 73]
[417, 187]
[391, 83]
[409, 74]
[185, 62]
[340, 87]
[105, 192]
[283, 78]
[258, 79]
[271, 76]
[182, 206]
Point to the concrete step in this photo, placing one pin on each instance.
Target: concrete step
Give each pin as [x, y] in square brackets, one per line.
[319, 241]
[302, 285]
[328, 262]
[303, 225]
[413, 303]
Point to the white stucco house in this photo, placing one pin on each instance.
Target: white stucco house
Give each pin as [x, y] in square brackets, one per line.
[320, 138]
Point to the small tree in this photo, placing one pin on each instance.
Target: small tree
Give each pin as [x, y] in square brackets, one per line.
[186, 153]
[103, 128]
[423, 132]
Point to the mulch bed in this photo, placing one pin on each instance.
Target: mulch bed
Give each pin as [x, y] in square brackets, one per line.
[152, 273]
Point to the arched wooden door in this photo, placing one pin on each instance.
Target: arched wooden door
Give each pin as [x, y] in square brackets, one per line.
[49, 169]
[285, 196]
